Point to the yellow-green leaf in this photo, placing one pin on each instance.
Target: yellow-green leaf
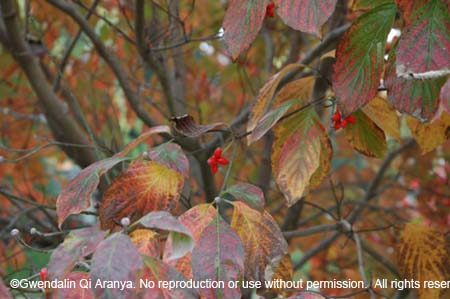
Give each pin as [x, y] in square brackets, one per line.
[365, 136]
[296, 154]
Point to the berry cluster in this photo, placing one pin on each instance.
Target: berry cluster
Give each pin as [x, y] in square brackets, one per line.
[270, 10]
[341, 123]
[217, 159]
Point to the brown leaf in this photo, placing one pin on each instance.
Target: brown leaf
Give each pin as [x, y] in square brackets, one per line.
[263, 241]
[423, 254]
[185, 125]
[144, 187]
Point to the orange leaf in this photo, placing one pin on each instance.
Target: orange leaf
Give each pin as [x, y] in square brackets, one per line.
[144, 187]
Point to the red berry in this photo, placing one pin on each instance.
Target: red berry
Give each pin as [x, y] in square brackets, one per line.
[351, 119]
[43, 274]
[223, 161]
[218, 153]
[337, 125]
[212, 160]
[336, 116]
[270, 10]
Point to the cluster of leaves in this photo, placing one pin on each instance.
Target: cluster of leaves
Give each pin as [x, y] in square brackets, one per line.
[235, 237]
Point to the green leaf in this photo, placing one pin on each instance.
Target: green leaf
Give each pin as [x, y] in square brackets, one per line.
[360, 58]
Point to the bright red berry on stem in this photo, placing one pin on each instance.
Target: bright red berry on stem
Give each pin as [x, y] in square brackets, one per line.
[43, 274]
[341, 123]
[217, 159]
[270, 10]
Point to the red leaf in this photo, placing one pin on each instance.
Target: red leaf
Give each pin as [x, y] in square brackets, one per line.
[116, 259]
[423, 49]
[417, 97]
[360, 58]
[75, 196]
[219, 256]
[241, 23]
[307, 16]
[78, 244]
[195, 219]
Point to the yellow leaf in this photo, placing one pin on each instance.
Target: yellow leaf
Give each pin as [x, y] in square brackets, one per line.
[423, 254]
[384, 115]
[263, 241]
[430, 135]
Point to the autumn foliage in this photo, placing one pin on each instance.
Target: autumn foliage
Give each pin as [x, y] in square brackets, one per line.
[159, 144]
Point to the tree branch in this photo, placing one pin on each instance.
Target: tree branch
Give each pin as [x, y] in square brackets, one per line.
[109, 58]
[63, 127]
